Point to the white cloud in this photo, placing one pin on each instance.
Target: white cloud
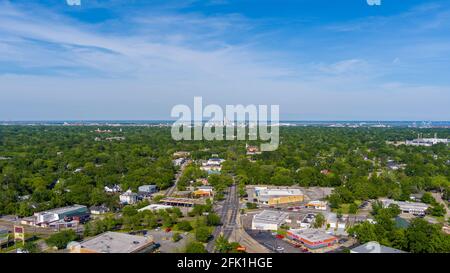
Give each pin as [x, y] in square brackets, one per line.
[73, 2]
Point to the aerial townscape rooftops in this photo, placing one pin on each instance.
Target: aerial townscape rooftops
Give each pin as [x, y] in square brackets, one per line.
[224, 127]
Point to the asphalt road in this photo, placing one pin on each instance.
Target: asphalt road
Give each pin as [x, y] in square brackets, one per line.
[170, 190]
[28, 229]
[228, 216]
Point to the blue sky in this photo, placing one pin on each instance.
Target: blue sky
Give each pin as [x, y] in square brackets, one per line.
[317, 59]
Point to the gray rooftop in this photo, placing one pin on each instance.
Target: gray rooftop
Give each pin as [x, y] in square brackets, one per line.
[116, 242]
[312, 235]
[375, 247]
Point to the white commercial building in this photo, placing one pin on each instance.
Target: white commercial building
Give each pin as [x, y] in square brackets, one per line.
[427, 142]
[155, 207]
[317, 204]
[269, 220]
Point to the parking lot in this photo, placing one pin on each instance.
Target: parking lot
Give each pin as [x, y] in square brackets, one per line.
[271, 242]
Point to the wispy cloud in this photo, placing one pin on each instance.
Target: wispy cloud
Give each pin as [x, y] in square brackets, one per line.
[165, 56]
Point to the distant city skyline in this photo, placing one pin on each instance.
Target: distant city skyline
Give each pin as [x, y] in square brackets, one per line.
[135, 60]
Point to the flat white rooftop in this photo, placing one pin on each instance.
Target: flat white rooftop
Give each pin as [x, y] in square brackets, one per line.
[405, 205]
[312, 235]
[155, 207]
[317, 203]
[116, 242]
[271, 217]
[62, 210]
[280, 192]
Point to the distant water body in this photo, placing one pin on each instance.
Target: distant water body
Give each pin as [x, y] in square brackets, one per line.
[329, 123]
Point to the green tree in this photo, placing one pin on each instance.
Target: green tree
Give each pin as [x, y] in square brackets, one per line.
[427, 198]
[202, 234]
[251, 205]
[176, 237]
[353, 208]
[184, 226]
[222, 245]
[365, 232]
[61, 239]
[319, 220]
[213, 219]
[437, 210]
[393, 210]
[31, 247]
[195, 247]
[424, 237]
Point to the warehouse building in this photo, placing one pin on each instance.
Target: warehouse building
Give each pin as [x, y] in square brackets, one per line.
[114, 242]
[59, 218]
[415, 208]
[312, 238]
[278, 196]
[60, 213]
[269, 220]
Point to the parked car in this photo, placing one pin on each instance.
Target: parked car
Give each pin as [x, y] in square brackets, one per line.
[279, 249]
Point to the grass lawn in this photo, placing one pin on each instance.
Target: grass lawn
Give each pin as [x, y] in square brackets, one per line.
[282, 232]
[19, 244]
